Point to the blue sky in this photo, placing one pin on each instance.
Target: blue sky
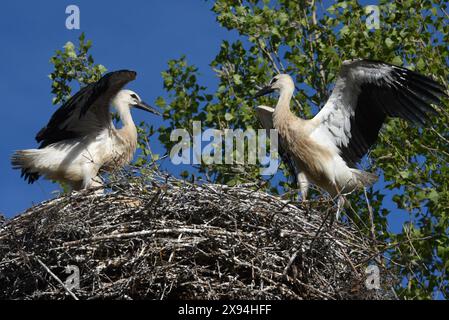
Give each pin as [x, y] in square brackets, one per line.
[138, 35]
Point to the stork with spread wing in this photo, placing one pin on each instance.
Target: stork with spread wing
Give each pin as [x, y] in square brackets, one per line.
[80, 138]
[326, 148]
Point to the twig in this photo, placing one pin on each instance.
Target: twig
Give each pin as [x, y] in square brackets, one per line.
[56, 278]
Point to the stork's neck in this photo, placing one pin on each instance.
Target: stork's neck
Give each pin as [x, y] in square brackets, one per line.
[282, 111]
[128, 127]
[125, 138]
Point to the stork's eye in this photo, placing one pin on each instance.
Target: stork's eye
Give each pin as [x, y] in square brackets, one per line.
[273, 81]
[134, 97]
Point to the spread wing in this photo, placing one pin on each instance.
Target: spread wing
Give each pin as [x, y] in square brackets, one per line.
[365, 94]
[87, 111]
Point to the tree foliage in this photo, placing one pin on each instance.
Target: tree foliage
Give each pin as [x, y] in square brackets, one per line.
[309, 40]
[73, 64]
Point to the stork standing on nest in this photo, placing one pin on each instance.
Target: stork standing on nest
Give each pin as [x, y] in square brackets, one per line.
[326, 148]
[80, 138]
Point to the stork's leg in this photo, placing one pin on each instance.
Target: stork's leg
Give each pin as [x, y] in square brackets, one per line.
[303, 185]
[96, 182]
[340, 205]
[91, 179]
[93, 183]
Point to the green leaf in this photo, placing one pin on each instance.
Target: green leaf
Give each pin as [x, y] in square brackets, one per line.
[433, 195]
[389, 43]
[237, 79]
[228, 116]
[397, 60]
[69, 46]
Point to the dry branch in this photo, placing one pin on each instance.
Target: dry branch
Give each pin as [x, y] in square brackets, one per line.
[156, 237]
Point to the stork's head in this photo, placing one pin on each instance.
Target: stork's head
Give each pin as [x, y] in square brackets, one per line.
[280, 82]
[131, 99]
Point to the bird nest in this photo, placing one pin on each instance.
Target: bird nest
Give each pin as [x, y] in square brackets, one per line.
[157, 237]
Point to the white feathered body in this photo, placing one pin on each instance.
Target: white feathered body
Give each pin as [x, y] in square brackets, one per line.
[78, 161]
[317, 157]
[80, 138]
[315, 145]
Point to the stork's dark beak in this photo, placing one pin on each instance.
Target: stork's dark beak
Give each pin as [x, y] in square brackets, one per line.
[264, 91]
[143, 106]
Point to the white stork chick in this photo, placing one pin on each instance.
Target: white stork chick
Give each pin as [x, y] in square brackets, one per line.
[326, 148]
[80, 138]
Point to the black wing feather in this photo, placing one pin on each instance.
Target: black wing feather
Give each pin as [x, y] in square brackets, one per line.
[399, 93]
[97, 94]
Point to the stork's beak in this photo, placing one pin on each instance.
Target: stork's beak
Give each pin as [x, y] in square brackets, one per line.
[143, 106]
[264, 91]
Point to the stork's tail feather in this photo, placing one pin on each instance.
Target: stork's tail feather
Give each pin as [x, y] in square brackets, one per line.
[366, 179]
[23, 159]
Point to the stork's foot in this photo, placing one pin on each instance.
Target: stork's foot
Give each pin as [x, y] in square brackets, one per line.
[94, 185]
[89, 192]
[98, 191]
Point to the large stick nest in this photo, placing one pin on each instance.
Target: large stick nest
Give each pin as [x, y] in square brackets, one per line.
[156, 237]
